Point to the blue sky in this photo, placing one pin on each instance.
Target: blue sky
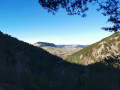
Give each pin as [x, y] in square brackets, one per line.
[28, 21]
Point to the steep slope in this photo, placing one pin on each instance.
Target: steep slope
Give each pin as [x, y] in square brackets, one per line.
[104, 49]
[22, 64]
[25, 67]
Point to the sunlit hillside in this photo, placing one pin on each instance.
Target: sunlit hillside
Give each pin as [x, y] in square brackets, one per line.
[106, 48]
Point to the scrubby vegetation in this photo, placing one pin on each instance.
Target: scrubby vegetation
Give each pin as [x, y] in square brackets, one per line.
[25, 67]
[96, 52]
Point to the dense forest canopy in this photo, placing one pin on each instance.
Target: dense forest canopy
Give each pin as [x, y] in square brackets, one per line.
[109, 8]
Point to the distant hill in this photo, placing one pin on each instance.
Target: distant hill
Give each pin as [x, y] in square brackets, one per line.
[45, 44]
[106, 48]
[72, 46]
[62, 51]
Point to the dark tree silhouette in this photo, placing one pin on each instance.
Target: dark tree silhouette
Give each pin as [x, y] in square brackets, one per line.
[109, 8]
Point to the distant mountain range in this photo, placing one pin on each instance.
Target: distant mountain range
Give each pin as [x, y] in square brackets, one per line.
[72, 46]
[62, 51]
[46, 44]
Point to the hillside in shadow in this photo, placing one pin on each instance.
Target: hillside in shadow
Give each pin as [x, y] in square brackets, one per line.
[102, 75]
[25, 67]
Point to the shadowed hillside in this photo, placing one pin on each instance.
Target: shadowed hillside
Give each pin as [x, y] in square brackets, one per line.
[25, 67]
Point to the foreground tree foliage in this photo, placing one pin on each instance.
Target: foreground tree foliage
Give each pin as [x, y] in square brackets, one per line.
[109, 8]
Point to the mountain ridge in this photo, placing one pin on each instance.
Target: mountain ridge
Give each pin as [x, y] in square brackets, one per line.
[43, 44]
[26, 67]
[62, 51]
[107, 47]
[72, 46]
[46, 44]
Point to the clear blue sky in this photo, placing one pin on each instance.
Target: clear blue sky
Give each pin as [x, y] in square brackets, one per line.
[28, 21]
